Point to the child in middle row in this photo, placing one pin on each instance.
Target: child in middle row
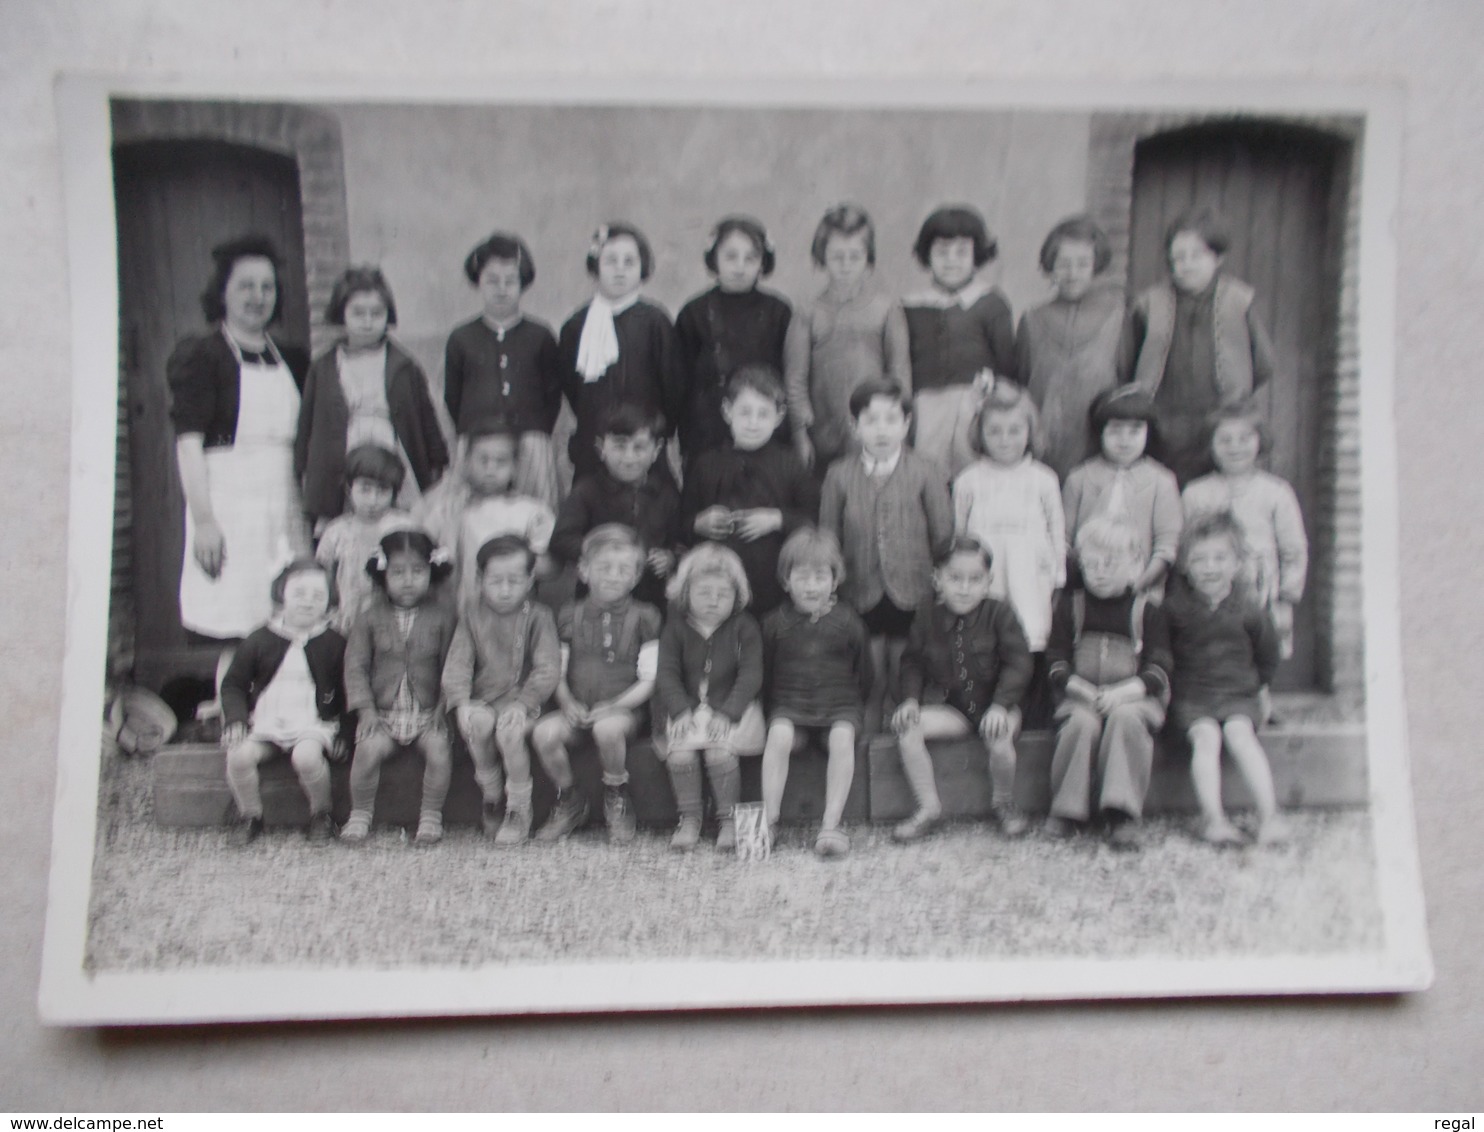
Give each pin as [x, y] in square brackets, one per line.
[889, 510]
[752, 495]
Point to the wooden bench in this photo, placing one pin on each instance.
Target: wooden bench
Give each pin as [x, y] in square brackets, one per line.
[1312, 766]
[189, 785]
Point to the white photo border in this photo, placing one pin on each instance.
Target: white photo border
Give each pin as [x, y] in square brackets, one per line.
[71, 995]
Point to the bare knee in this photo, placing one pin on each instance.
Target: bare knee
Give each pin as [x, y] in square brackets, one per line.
[550, 733]
[611, 731]
[308, 756]
[435, 750]
[1205, 737]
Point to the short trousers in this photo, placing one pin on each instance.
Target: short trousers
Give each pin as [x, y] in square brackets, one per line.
[887, 619]
[1185, 712]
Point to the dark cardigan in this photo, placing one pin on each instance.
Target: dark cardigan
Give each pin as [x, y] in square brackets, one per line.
[319, 445]
[377, 657]
[257, 660]
[734, 654]
[204, 391]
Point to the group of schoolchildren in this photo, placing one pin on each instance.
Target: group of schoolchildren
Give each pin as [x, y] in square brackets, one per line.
[856, 534]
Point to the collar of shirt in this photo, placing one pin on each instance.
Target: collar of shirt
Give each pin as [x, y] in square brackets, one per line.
[965, 297]
[876, 467]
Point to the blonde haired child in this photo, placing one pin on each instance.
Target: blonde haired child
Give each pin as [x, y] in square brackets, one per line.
[706, 690]
[609, 644]
[1225, 652]
[1266, 507]
[817, 657]
[849, 334]
[1011, 502]
[1109, 655]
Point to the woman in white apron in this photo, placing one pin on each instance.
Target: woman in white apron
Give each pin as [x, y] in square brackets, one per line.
[235, 406]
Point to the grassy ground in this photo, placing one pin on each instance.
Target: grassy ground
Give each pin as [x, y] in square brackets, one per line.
[168, 898]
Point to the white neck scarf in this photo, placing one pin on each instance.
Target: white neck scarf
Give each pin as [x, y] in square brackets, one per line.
[965, 297]
[598, 347]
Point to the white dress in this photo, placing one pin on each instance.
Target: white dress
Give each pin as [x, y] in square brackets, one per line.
[1016, 511]
[256, 504]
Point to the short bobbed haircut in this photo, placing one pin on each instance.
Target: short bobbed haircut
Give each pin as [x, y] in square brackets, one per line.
[965, 544]
[1207, 223]
[363, 280]
[408, 540]
[811, 546]
[611, 536]
[224, 258]
[373, 462]
[1077, 229]
[1121, 403]
[617, 230]
[505, 546]
[763, 380]
[708, 560]
[1005, 396]
[753, 230]
[1247, 412]
[1110, 534]
[303, 565]
[1213, 525]
[626, 418]
[867, 391]
[843, 220]
[955, 222]
[504, 246]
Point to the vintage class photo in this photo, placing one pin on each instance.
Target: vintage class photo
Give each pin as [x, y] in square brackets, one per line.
[640, 553]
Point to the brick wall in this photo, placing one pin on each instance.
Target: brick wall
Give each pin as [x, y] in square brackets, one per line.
[1335, 578]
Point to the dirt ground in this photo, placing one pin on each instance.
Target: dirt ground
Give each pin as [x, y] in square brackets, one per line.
[172, 899]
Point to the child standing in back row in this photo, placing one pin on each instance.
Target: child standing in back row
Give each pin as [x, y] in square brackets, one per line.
[1194, 343]
[851, 333]
[619, 347]
[960, 333]
[1066, 350]
[890, 511]
[734, 324]
[504, 363]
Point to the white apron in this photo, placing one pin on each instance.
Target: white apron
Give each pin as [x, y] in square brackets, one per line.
[256, 504]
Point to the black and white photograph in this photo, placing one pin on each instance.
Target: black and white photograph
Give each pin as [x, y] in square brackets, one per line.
[651, 547]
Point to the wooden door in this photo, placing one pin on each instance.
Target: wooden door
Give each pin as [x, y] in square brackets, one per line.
[176, 200]
[1275, 187]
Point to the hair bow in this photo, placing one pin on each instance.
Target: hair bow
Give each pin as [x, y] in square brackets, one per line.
[440, 556]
